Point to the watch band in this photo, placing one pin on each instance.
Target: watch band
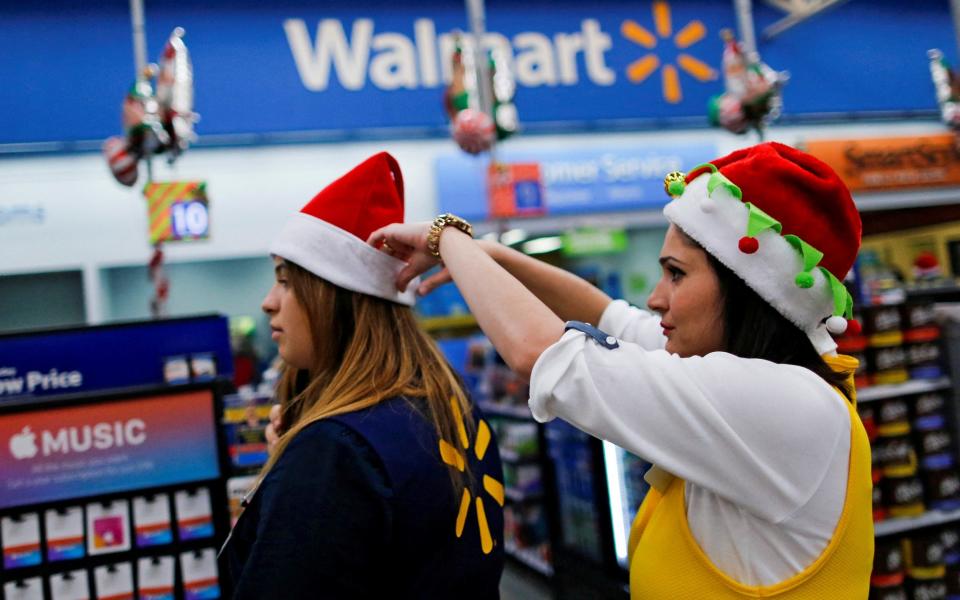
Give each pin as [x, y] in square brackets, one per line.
[437, 227]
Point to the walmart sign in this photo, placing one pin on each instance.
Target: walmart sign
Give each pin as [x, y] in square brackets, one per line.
[374, 68]
[398, 61]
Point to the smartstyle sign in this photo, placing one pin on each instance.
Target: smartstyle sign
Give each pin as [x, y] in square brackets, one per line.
[371, 67]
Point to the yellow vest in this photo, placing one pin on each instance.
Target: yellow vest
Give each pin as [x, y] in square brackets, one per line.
[666, 563]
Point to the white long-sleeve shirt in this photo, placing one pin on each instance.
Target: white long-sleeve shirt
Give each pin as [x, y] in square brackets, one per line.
[763, 447]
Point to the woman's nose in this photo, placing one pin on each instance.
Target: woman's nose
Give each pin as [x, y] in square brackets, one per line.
[657, 301]
[269, 304]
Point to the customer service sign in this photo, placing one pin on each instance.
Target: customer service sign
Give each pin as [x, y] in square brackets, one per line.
[374, 66]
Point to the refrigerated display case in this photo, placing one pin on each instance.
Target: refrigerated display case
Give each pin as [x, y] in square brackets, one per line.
[597, 490]
[626, 489]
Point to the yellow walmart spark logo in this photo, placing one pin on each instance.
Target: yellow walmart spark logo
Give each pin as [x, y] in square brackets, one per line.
[455, 458]
[640, 69]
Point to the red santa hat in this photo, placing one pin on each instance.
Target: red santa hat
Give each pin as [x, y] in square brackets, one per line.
[784, 222]
[328, 236]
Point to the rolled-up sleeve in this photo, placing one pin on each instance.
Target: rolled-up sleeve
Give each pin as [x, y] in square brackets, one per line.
[632, 324]
[757, 433]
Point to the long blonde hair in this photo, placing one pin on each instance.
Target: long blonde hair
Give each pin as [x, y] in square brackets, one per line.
[367, 350]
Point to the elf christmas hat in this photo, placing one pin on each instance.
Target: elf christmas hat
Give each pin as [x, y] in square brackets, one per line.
[784, 222]
[328, 236]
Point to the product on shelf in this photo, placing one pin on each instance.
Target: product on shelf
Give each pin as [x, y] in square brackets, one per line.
[245, 419]
[925, 567]
[886, 581]
[525, 527]
[903, 496]
[950, 536]
[886, 360]
[921, 338]
[856, 347]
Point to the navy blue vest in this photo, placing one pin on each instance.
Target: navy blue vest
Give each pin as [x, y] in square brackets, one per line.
[286, 543]
[432, 561]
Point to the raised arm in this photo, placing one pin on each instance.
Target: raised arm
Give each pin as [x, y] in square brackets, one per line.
[519, 324]
[569, 297]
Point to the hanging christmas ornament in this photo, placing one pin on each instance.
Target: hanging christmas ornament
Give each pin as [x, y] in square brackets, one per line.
[161, 284]
[947, 88]
[474, 130]
[752, 91]
[155, 123]
[175, 94]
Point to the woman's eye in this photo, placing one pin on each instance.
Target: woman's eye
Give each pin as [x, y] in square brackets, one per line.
[675, 273]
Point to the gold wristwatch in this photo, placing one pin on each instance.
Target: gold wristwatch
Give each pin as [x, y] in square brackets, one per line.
[436, 228]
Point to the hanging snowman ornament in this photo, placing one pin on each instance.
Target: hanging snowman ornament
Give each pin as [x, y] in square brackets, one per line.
[752, 95]
[472, 129]
[947, 88]
[155, 121]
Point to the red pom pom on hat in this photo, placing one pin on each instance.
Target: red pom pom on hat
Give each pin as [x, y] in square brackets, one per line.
[748, 245]
[854, 327]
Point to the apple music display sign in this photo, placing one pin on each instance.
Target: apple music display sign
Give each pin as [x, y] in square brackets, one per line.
[98, 448]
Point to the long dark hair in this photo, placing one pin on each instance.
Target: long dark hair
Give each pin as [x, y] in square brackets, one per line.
[753, 328]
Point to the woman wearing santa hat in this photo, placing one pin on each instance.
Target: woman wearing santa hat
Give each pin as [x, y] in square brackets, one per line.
[386, 482]
[731, 385]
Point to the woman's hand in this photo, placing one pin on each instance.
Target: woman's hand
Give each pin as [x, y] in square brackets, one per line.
[408, 242]
[275, 428]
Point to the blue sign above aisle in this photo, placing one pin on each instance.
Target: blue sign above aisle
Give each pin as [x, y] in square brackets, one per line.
[375, 68]
[564, 182]
[109, 357]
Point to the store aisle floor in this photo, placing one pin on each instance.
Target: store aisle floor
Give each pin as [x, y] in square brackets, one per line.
[518, 583]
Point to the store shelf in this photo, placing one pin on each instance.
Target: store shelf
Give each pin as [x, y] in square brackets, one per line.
[914, 386]
[521, 496]
[466, 321]
[530, 557]
[502, 410]
[947, 291]
[933, 517]
[511, 456]
[888, 200]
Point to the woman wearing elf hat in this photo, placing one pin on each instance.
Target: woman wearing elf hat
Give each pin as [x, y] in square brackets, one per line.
[731, 386]
[386, 482]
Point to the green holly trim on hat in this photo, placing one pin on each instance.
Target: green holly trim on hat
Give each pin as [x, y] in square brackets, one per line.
[811, 258]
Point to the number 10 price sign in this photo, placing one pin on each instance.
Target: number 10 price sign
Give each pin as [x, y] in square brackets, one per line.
[177, 210]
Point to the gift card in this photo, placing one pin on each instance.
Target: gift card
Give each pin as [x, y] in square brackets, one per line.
[108, 527]
[194, 516]
[204, 366]
[64, 533]
[199, 570]
[114, 582]
[72, 585]
[176, 370]
[151, 520]
[155, 578]
[24, 589]
[21, 540]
